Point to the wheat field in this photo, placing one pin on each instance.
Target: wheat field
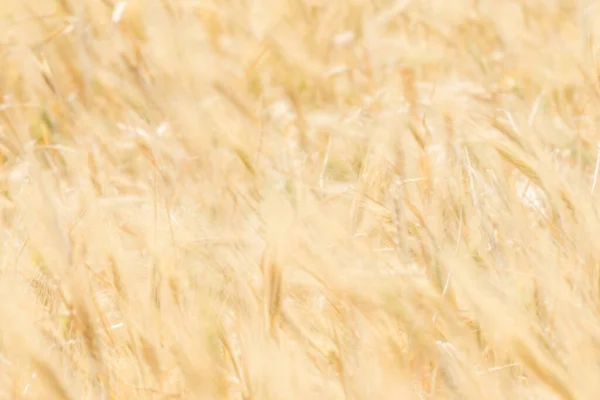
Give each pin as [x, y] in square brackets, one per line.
[299, 199]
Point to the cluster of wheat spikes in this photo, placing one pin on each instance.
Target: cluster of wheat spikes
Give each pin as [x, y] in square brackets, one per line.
[299, 199]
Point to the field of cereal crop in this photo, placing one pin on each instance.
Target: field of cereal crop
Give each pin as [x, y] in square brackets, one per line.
[299, 199]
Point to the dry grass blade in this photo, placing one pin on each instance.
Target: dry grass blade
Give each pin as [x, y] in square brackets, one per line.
[544, 370]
